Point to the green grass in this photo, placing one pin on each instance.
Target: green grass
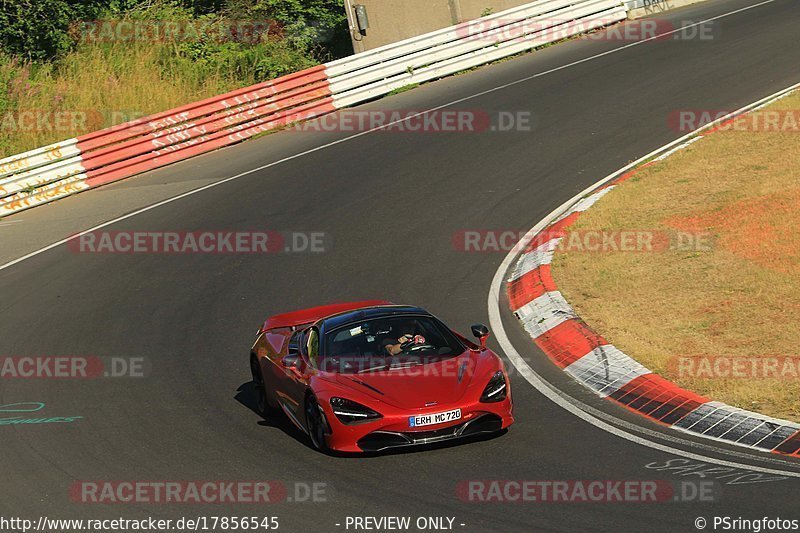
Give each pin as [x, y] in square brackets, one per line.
[108, 83]
[403, 89]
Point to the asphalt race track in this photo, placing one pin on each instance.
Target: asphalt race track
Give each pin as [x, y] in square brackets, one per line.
[389, 204]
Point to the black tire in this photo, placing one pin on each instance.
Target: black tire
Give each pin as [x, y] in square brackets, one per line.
[316, 424]
[263, 406]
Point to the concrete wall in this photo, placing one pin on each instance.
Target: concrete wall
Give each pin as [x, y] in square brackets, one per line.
[395, 20]
[644, 8]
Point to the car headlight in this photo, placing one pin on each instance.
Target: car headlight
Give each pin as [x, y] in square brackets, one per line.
[350, 412]
[496, 390]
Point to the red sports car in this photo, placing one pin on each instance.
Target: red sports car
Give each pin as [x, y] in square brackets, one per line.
[369, 376]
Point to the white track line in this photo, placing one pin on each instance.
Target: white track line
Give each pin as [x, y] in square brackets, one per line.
[494, 294]
[548, 390]
[357, 135]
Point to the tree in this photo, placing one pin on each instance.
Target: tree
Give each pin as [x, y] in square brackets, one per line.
[39, 29]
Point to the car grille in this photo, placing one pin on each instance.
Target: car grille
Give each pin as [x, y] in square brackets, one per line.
[382, 440]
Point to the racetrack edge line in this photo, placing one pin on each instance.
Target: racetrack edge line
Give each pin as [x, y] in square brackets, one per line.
[359, 134]
[530, 375]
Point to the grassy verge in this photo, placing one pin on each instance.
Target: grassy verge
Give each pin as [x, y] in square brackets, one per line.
[97, 87]
[687, 313]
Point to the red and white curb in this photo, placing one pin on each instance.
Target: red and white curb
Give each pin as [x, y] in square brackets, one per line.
[59, 170]
[600, 366]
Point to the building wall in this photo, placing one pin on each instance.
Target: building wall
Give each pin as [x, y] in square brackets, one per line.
[395, 20]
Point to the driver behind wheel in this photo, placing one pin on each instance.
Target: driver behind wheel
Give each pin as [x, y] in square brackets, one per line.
[407, 338]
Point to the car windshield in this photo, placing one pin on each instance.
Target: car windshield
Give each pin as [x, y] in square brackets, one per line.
[387, 343]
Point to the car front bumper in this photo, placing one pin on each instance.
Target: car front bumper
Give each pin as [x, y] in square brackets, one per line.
[394, 432]
[378, 441]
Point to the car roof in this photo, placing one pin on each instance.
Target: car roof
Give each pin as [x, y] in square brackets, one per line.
[372, 312]
[315, 314]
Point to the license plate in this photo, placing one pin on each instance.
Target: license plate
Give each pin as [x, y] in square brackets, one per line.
[434, 418]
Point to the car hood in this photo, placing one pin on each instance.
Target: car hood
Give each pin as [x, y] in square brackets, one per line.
[417, 387]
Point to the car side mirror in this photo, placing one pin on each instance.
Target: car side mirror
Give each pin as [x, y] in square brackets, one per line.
[481, 332]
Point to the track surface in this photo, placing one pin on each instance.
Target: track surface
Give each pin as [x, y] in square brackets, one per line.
[391, 203]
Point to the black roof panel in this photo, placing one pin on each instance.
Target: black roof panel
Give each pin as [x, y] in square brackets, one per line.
[382, 311]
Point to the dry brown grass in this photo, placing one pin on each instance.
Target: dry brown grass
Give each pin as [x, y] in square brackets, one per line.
[104, 85]
[741, 298]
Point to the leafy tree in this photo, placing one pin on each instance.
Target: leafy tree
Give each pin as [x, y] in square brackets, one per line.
[319, 25]
[39, 29]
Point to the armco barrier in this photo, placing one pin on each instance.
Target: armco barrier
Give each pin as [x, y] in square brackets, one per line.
[115, 153]
[368, 75]
[74, 165]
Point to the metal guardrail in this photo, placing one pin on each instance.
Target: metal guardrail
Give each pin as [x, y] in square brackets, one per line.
[381, 70]
[119, 152]
[62, 169]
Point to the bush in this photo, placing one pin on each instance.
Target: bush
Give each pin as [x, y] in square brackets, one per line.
[39, 29]
[315, 26]
[107, 79]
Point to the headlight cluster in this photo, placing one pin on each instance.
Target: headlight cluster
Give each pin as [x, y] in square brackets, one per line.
[496, 390]
[350, 412]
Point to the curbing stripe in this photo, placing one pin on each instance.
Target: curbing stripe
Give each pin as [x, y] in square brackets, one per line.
[563, 336]
[541, 255]
[555, 231]
[530, 286]
[544, 313]
[141, 145]
[587, 202]
[606, 370]
[774, 439]
[569, 341]
[761, 432]
[790, 446]
[744, 429]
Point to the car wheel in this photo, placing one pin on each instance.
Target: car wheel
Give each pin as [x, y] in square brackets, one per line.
[262, 402]
[316, 424]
